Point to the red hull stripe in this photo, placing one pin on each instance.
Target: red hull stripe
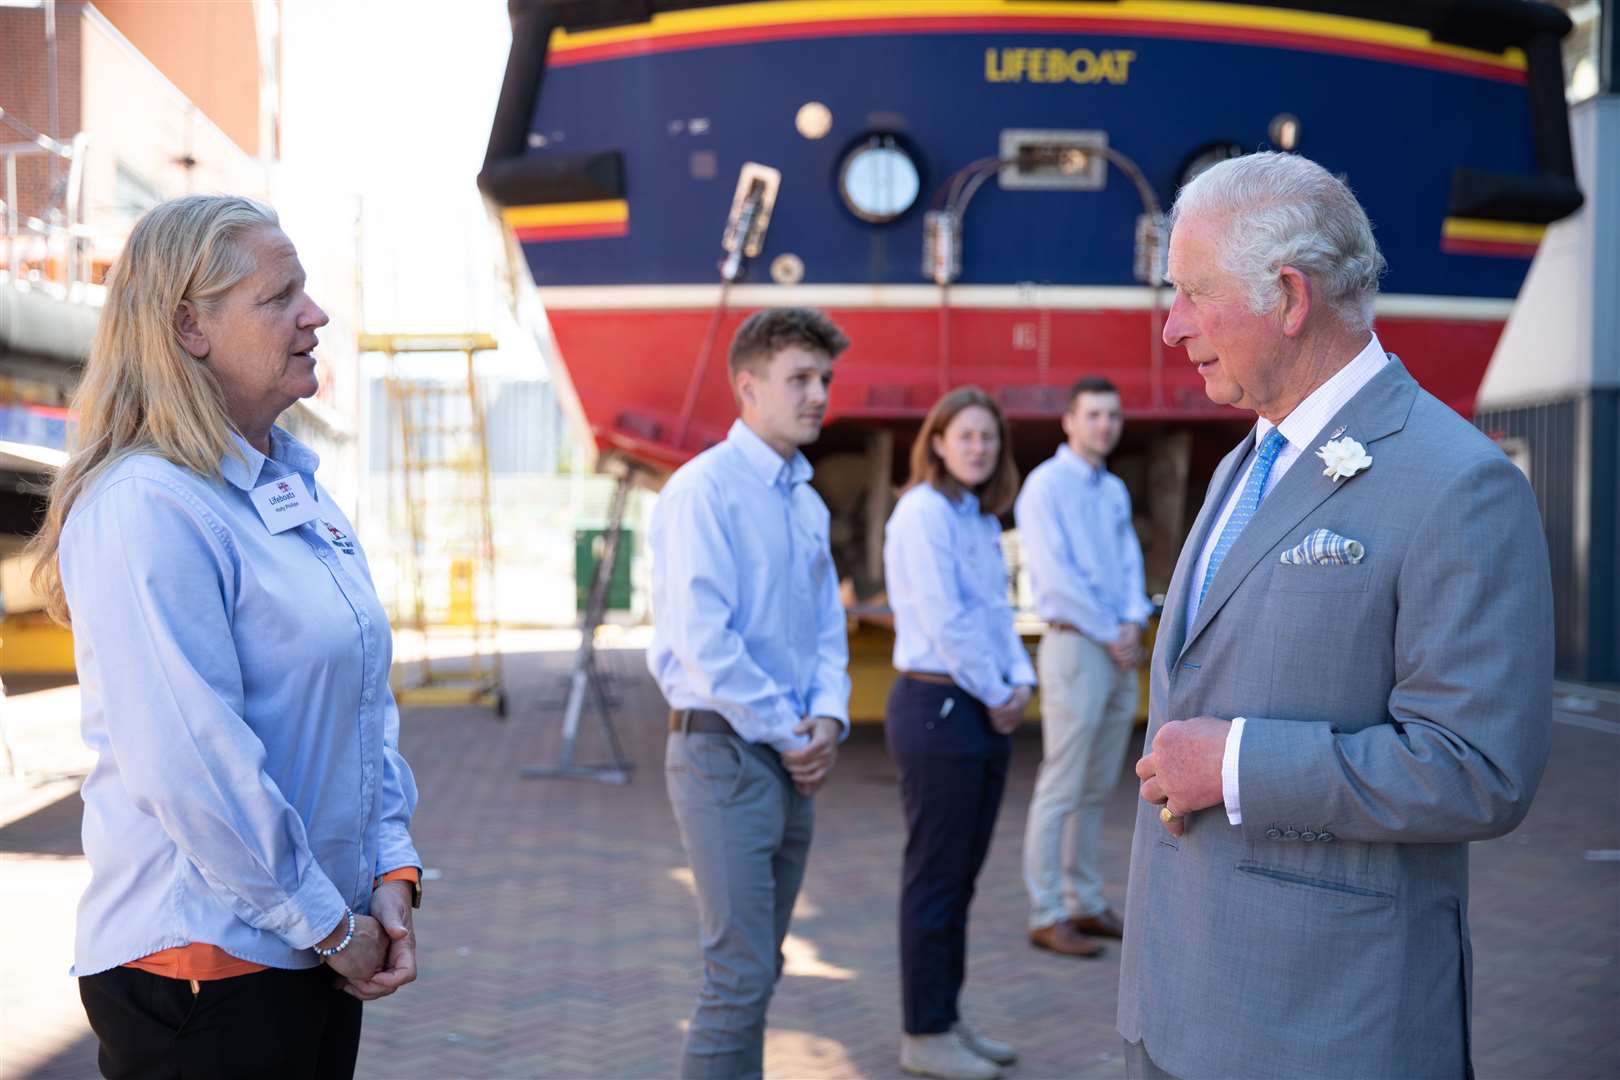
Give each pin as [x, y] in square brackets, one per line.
[592, 230]
[933, 25]
[1453, 245]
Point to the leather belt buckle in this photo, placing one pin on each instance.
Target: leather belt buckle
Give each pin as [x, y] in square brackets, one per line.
[933, 677]
[700, 721]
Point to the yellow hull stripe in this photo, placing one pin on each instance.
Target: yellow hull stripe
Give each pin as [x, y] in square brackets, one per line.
[1496, 232]
[1229, 16]
[577, 213]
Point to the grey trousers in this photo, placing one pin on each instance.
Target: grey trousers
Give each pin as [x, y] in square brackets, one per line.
[1087, 708]
[747, 835]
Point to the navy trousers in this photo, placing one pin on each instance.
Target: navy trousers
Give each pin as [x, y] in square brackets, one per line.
[274, 1024]
[953, 770]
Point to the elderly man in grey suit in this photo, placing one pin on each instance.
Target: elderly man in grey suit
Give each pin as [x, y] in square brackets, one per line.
[1352, 678]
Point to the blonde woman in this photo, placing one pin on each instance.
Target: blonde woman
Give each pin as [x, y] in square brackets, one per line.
[247, 819]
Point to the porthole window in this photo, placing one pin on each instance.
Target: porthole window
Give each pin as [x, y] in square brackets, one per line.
[879, 179]
[1206, 156]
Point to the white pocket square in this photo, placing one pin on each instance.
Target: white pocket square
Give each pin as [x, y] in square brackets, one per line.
[1325, 548]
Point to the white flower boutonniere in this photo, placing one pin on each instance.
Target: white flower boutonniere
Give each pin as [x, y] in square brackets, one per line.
[1343, 457]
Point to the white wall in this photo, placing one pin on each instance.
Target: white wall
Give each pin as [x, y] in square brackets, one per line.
[1563, 335]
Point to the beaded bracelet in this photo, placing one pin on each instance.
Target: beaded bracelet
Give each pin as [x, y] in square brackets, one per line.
[340, 946]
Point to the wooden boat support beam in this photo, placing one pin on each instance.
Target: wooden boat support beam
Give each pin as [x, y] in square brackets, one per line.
[1169, 461]
[879, 496]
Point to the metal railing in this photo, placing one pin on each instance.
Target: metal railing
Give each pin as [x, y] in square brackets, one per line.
[52, 246]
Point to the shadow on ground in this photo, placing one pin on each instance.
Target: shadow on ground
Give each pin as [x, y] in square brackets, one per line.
[558, 935]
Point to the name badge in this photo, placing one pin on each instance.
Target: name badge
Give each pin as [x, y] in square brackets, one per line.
[284, 504]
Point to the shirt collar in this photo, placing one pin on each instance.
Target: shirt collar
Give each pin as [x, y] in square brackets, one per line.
[1322, 404]
[244, 471]
[771, 468]
[1090, 472]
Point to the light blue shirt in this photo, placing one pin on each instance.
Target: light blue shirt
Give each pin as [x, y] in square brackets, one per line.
[1085, 562]
[234, 684]
[746, 615]
[947, 587]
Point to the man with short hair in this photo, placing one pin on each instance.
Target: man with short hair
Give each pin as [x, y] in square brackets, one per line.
[750, 651]
[1085, 567]
[1352, 678]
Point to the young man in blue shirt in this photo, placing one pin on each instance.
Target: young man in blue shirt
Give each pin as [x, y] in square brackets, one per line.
[749, 649]
[1085, 565]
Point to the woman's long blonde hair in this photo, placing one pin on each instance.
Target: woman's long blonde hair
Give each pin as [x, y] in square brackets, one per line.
[141, 390]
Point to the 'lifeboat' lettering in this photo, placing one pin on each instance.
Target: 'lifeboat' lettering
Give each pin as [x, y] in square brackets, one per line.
[1082, 66]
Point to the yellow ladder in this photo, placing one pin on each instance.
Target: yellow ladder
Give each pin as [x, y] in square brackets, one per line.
[438, 490]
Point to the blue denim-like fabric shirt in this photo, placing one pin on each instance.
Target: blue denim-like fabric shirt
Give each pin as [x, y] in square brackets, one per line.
[948, 588]
[234, 683]
[747, 620]
[1085, 561]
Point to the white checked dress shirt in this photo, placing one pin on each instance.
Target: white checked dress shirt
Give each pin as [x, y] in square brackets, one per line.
[1299, 427]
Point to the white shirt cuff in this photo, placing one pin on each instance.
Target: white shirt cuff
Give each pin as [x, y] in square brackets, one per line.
[1229, 772]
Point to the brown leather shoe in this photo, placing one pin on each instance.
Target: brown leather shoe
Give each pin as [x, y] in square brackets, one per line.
[1064, 940]
[1106, 923]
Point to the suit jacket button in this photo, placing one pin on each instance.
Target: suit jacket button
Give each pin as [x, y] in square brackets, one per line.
[1291, 834]
[1324, 837]
[1273, 834]
[1307, 836]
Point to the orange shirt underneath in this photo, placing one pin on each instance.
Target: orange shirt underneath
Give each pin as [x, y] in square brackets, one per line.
[201, 962]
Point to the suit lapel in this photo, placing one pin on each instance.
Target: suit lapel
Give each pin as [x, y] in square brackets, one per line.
[1175, 612]
[1378, 410]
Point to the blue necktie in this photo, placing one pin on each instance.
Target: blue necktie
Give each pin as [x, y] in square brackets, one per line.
[1247, 504]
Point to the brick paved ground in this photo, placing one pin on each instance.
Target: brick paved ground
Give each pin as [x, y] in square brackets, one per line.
[559, 934]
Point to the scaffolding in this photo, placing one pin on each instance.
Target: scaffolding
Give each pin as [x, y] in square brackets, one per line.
[439, 499]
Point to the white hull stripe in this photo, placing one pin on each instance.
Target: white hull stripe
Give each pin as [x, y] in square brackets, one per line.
[972, 297]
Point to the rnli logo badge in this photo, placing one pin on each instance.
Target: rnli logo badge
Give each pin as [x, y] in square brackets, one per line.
[339, 539]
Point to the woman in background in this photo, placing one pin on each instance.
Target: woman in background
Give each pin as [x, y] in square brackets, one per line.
[965, 678]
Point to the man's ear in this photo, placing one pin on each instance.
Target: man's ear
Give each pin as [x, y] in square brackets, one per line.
[188, 328]
[743, 384]
[1296, 300]
[1068, 423]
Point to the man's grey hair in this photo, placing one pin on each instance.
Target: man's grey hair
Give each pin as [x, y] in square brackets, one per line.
[1285, 210]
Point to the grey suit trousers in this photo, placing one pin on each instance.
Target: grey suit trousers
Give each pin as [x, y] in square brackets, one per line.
[747, 834]
[1139, 1064]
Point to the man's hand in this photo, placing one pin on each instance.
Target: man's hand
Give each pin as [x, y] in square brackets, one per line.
[365, 955]
[391, 909]
[1183, 769]
[1126, 651]
[1006, 717]
[810, 765]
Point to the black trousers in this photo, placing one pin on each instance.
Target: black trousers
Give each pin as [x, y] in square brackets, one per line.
[953, 770]
[272, 1023]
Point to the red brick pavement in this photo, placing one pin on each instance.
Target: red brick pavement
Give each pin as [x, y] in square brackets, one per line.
[558, 938]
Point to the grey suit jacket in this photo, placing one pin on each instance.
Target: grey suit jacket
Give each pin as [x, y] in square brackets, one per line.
[1396, 709]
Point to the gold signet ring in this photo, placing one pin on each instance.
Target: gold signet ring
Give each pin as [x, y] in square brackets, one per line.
[1166, 816]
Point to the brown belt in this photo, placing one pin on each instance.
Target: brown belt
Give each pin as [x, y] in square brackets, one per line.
[1058, 624]
[701, 721]
[930, 677]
